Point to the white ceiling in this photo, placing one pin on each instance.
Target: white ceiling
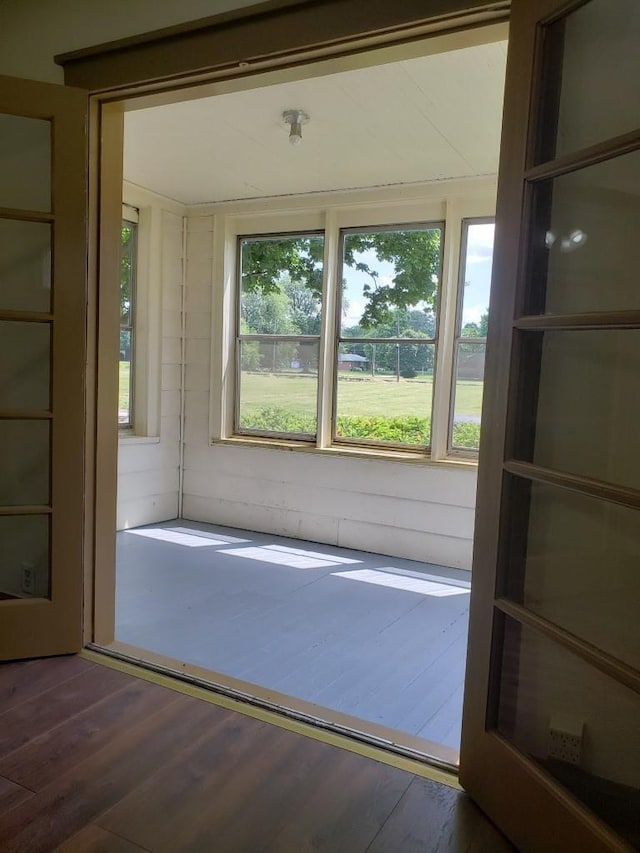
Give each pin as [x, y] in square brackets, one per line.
[416, 120]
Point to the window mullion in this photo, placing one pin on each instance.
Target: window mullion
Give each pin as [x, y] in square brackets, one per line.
[443, 378]
[328, 331]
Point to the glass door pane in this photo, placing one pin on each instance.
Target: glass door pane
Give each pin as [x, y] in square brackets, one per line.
[578, 724]
[25, 163]
[43, 301]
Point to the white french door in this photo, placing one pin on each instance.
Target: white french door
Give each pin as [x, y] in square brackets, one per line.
[551, 734]
[42, 366]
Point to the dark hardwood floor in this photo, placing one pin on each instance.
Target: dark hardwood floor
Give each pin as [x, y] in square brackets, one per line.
[92, 759]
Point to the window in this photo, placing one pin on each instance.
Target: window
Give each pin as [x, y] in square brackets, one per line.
[368, 337]
[279, 319]
[128, 265]
[387, 325]
[471, 333]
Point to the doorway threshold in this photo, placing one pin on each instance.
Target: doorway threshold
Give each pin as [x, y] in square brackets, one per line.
[422, 758]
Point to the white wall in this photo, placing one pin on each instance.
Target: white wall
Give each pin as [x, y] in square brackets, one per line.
[32, 32]
[148, 462]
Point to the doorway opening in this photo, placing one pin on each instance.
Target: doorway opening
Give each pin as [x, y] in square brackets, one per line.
[302, 338]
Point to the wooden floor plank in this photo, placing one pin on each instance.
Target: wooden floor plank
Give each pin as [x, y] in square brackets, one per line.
[12, 795]
[431, 818]
[47, 757]
[273, 806]
[204, 780]
[325, 816]
[26, 679]
[38, 715]
[65, 806]
[93, 839]
[149, 769]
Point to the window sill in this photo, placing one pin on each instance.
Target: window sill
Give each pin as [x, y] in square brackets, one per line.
[381, 454]
[130, 438]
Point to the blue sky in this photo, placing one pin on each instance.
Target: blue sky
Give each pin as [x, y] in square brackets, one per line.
[477, 273]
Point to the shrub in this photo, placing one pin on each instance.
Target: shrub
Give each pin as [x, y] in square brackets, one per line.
[401, 429]
[466, 435]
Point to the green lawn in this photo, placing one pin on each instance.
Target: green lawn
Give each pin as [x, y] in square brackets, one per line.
[356, 396]
[123, 387]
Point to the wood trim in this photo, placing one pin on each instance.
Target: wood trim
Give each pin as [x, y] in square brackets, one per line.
[575, 483]
[627, 143]
[111, 129]
[268, 35]
[576, 322]
[26, 316]
[281, 705]
[604, 662]
[25, 215]
[25, 510]
[25, 415]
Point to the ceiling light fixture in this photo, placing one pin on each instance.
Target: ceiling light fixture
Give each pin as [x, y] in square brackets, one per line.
[295, 119]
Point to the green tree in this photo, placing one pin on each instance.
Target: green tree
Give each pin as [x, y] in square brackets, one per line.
[127, 250]
[304, 307]
[268, 264]
[265, 262]
[266, 313]
[415, 256]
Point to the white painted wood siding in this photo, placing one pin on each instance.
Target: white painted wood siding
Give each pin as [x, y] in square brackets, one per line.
[148, 466]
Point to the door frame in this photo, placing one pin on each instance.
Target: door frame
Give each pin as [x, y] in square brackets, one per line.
[112, 72]
[397, 31]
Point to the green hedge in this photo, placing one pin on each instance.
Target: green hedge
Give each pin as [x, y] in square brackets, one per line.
[405, 429]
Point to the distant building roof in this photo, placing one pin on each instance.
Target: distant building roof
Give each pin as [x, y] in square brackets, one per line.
[351, 356]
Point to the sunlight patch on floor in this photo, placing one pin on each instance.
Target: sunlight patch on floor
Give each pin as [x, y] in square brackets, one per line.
[177, 537]
[408, 584]
[294, 558]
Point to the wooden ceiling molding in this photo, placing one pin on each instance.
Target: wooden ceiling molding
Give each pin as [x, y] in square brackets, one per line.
[275, 34]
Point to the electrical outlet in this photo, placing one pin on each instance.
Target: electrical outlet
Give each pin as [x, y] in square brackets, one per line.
[565, 741]
[28, 578]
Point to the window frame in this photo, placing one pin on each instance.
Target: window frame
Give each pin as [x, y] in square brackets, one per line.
[465, 223]
[131, 216]
[304, 438]
[448, 201]
[338, 340]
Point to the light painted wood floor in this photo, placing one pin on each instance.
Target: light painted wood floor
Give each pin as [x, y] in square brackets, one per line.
[289, 622]
[96, 761]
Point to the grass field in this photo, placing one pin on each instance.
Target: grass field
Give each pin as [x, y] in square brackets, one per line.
[356, 397]
[378, 408]
[123, 389]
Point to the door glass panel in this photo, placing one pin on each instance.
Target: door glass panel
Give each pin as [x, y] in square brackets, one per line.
[24, 463]
[25, 163]
[24, 360]
[25, 266]
[279, 387]
[585, 250]
[576, 564]
[24, 557]
[547, 692]
[591, 70]
[584, 419]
